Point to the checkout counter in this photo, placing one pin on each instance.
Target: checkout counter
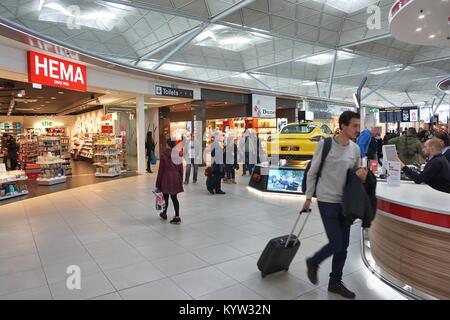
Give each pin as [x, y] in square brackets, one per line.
[410, 237]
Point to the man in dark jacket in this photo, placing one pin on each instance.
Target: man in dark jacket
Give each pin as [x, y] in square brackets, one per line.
[217, 166]
[437, 170]
[366, 206]
[13, 152]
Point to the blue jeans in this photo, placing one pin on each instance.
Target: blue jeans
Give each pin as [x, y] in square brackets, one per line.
[338, 234]
[188, 171]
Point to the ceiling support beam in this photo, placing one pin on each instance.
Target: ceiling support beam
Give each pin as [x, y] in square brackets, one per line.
[333, 67]
[439, 103]
[384, 83]
[317, 88]
[202, 27]
[169, 43]
[385, 99]
[259, 81]
[363, 41]
[409, 97]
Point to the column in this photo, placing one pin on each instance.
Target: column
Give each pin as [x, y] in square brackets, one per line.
[199, 121]
[140, 132]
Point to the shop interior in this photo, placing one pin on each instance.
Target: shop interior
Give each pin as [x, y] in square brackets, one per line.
[53, 139]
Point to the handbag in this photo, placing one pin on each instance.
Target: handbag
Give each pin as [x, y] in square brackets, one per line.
[153, 159]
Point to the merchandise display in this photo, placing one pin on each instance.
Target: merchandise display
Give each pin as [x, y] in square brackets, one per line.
[52, 170]
[29, 151]
[50, 144]
[87, 147]
[107, 150]
[12, 128]
[12, 183]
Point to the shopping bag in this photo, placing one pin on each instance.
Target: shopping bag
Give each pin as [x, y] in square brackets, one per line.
[153, 159]
[160, 203]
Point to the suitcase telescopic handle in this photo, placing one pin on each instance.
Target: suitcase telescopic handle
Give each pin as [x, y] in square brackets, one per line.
[295, 225]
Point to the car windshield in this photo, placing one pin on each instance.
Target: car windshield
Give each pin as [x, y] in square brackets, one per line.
[299, 128]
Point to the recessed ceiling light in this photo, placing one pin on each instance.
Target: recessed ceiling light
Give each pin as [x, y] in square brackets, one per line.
[61, 92]
[53, 98]
[422, 16]
[432, 36]
[418, 29]
[47, 101]
[42, 105]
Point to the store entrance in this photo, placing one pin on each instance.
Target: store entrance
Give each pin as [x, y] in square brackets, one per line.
[55, 139]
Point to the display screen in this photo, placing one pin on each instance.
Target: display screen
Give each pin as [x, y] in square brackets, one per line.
[405, 115]
[398, 116]
[390, 116]
[383, 116]
[285, 180]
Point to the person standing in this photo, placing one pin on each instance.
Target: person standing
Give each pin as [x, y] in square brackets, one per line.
[249, 151]
[436, 173]
[170, 179]
[444, 138]
[329, 189]
[13, 152]
[150, 148]
[367, 143]
[217, 167]
[409, 148]
[192, 159]
[230, 160]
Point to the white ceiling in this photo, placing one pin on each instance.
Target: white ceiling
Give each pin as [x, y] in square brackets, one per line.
[286, 46]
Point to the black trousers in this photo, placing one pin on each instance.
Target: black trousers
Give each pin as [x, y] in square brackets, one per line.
[216, 182]
[149, 162]
[175, 202]
[231, 173]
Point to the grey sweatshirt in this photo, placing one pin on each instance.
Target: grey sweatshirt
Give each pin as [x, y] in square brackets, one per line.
[330, 187]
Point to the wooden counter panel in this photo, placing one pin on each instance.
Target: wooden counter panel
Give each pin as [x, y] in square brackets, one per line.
[416, 255]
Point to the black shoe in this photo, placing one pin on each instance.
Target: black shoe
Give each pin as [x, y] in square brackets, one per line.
[340, 289]
[211, 191]
[186, 182]
[220, 192]
[312, 271]
[163, 215]
[176, 220]
[195, 181]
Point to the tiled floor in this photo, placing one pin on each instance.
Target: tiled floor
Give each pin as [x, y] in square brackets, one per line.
[113, 233]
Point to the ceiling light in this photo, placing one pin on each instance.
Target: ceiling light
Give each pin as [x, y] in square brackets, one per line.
[174, 67]
[242, 76]
[60, 92]
[422, 16]
[418, 29]
[47, 101]
[53, 98]
[432, 36]
[326, 58]
[348, 6]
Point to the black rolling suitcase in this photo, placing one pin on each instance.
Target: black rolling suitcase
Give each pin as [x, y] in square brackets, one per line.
[279, 252]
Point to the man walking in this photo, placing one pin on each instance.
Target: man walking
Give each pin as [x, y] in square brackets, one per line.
[193, 156]
[344, 154]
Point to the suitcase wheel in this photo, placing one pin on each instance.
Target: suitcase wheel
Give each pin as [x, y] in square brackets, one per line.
[263, 275]
[287, 269]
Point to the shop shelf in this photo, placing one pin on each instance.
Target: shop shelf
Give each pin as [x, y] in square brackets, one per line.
[15, 194]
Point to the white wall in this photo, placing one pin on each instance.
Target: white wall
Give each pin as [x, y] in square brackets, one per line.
[152, 124]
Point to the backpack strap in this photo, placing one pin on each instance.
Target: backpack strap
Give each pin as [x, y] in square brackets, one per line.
[325, 151]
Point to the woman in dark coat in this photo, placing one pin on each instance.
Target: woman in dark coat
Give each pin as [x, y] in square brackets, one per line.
[170, 180]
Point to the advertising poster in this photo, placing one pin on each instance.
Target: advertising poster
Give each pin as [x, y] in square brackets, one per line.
[394, 174]
[413, 115]
[263, 106]
[281, 180]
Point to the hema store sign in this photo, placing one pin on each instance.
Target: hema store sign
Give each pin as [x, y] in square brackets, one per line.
[55, 72]
[263, 106]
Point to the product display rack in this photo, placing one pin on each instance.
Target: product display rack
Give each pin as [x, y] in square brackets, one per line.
[13, 184]
[50, 144]
[52, 171]
[65, 153]
[107, 152]
[29, 151]
[87, 148]
[12, 128]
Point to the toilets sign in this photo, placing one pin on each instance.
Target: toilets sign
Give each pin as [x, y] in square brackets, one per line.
[55, 72]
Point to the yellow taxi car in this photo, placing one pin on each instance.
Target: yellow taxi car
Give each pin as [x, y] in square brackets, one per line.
[297, 141]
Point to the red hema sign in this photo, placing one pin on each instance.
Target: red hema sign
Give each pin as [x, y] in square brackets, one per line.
[55, 72]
